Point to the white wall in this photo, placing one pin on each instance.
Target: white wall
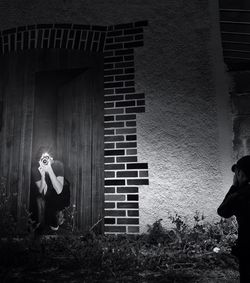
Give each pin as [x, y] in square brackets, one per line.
[185, 134]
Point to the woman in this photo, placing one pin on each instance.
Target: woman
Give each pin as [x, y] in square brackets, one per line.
[48, 191]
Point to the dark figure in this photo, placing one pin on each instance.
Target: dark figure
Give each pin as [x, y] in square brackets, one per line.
[237, 202]
[49, 192]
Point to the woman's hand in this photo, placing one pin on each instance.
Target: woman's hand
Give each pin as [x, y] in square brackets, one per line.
[42, 171]
[45, 167]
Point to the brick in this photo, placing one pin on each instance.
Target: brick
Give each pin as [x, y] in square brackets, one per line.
[133, 229]
[109, 160]
[114, 138]
[84, 35]
[124, 38]
[132, 197]
[126, 144]
[77, 26]
[109, 118]
[125, 103]
[127, 190]
[115, 197]
[109, 174]
[126, 131]
[129, 70]
[133, 213]
[135, 110]
[127, 159]
[26, 40]
[135, 96]
[113, 59]
[125, 117]
[109, 132]
[143, 174]
[99, 28]
[63, 26]
[127, 205]
[114, 166]
[137, 182]
[109, 40]
[64, 39]
[89, 40]
[9, 31]
[109, 190]
[114, 33]
[109, 145]
[31, 27]
[113, 125]
[115, 229]
[131, 124]
[131, 151]
[124, 65]
[133, 44]
[12, 42]
[133, 31]
[109, 220]
[115, 212]
[114, 182]
[109, 79]
[77, 40]
[129, 58]
[127, 174]
[124, 52]
[113, 72]
[125, 90]
[113, 111]
[131, 138]
[72, 34]
[22, 28]
[114, 152]
[123, 26]
[101, 42]
[141, 23]
[114, 46]
[108, 53]
[110, 85]
[130, 83]
[137, 166]
[128, 221]
[109, 204]
[108, 92]
[124, 77]
[108, 66]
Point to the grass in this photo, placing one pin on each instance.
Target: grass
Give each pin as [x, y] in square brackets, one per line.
[180, 253]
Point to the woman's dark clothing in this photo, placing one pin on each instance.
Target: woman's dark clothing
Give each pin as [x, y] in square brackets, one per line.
[237, 202]
[45, 207]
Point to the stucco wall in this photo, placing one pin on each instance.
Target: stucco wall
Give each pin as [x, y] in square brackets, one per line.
[185, 134]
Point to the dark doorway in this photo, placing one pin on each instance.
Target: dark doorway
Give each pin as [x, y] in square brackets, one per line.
[55, 98]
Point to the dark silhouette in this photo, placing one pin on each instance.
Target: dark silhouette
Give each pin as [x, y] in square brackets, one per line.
[237, 202]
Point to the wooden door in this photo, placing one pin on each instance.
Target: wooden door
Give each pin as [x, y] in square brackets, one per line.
[79, 128]
[80, 144]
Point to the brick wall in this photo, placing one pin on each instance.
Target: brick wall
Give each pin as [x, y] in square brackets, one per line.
[123, 171]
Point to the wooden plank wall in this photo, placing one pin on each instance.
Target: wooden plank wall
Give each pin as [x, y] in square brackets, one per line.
[83, 117]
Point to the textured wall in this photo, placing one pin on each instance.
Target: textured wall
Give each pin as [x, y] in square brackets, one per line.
[185, 133]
